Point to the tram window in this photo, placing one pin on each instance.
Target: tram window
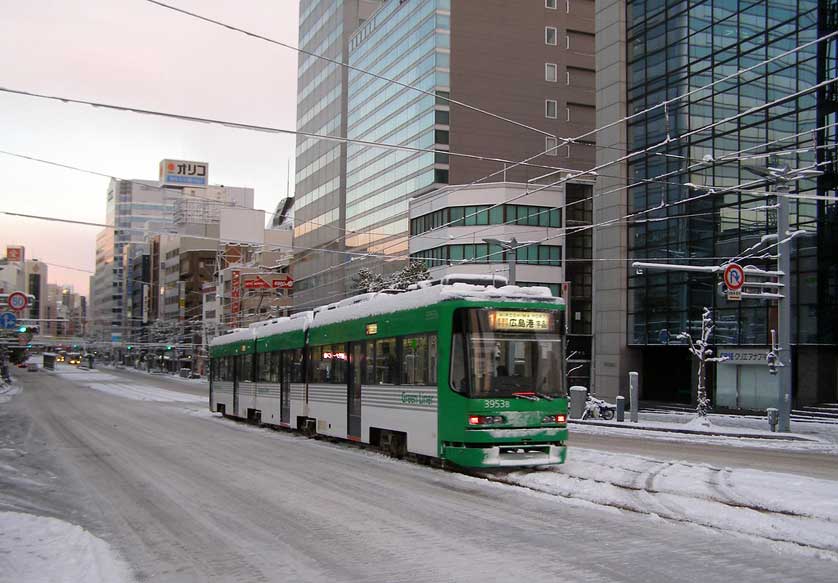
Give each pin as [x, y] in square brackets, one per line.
[245, 367]
[328, 364]
[415, 360]
[459, 380]
[293, 363]
[223, 369]
[275, 367]
[432, 359]
[369, 370]
[386, 363]
[263, 361]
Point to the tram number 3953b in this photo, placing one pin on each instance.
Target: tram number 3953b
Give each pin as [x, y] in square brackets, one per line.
[496, 403]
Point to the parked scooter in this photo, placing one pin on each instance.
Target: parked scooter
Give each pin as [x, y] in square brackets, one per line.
[598, 409]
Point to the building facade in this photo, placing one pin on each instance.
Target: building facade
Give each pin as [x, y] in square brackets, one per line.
[320, 181]
[688, 198]
[538, 70]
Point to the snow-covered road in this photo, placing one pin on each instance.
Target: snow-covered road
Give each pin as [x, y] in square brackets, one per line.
[183, 495]
[778, 507]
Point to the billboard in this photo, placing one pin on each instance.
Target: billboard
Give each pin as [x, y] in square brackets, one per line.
[184, 173]
[241, 225]
[14, 253]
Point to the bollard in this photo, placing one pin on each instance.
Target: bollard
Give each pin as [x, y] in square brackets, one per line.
[578, 396]
[621, 409]
[633, 395]
[773, 418]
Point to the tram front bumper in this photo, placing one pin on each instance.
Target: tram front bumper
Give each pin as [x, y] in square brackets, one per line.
[513, 455]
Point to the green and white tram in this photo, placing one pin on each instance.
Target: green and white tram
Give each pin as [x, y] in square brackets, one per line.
[470, 374]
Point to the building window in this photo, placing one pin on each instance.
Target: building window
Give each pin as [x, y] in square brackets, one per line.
[551, 4]
[550, 108]
[567, 77]
[550, 144]
[567, 113]
[550, 72]
[567, 41]
[550, 35]
[567, 6]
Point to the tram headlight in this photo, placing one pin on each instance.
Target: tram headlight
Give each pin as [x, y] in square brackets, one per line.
[560, 418]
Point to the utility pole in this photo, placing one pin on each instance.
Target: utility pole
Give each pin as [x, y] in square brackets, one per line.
[780, 178]
[509, 246]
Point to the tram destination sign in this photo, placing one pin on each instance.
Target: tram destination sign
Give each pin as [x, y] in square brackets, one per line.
[516, 320]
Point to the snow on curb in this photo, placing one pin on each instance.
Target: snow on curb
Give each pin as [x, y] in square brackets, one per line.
[778, 507]
[38, 548]
[7, 391]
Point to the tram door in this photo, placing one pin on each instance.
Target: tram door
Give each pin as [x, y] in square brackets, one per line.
[285, 387]
[353, 397]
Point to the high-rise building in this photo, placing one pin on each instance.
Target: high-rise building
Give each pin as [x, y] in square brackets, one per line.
[133, 207]
[530, 62]
[139, 210]
[687, 191]
[325, 28]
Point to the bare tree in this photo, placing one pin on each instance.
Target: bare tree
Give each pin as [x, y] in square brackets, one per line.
[701, 350]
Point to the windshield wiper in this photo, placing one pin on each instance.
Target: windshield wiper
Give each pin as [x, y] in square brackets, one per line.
[545, 396]
[528, 395]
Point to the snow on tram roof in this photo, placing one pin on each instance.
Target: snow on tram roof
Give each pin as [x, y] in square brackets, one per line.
[237, 335]
[298, 321]
[374, 304]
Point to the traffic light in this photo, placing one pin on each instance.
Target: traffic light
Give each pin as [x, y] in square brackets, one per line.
[772, 362]
[169, 347]
[130, 347]
[22, 329]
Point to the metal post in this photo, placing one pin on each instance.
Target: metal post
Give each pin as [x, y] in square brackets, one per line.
[633, 396]
[510, 257]
[781, 187]
[621, 408]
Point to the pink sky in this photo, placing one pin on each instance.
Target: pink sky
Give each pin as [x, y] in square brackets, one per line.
[136, 54]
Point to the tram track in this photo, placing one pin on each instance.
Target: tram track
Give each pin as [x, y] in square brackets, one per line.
[647, 497]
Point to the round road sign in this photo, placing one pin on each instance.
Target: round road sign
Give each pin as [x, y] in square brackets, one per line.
[18, 300]
[734, 277]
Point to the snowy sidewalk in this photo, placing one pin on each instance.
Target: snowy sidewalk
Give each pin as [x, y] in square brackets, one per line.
[781, 508]
[736, 430]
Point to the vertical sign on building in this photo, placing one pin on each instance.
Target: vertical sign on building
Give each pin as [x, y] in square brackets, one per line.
[235, 306]
[146, 302]
[181, 300]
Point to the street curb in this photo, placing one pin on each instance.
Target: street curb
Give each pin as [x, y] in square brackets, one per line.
[628, 425]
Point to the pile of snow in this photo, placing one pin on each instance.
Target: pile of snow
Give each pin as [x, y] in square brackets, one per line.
[778, 507]
[37, 548]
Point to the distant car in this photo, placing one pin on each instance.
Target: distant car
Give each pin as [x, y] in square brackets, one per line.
[22, 364]
[74, 358]
[32, 368]
[59, 358]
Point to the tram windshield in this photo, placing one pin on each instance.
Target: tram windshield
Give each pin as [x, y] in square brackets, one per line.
[507, 353]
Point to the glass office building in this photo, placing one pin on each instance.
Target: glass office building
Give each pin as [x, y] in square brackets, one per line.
[410, 43]
[698, 203]
[320, 189]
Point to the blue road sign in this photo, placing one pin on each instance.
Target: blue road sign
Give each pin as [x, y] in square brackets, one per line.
[8, 320]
